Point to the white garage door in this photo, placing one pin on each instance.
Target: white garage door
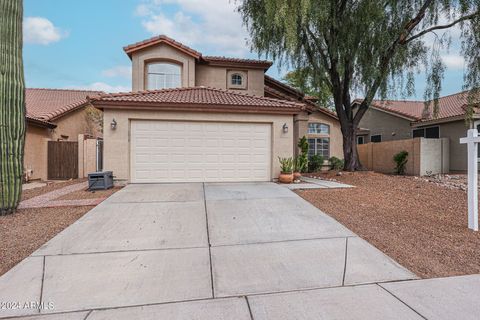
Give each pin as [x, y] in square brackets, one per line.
[175, 151]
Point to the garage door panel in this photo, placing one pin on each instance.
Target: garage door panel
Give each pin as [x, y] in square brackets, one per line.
[171, 151]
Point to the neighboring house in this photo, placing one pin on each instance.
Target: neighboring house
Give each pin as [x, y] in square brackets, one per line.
[396, 120]
[192, 117]
[53, 115]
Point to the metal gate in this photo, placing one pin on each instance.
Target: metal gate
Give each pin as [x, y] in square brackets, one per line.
[62, 160]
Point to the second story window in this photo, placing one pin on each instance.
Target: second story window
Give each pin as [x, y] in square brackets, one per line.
[237, 79]
[162, 75]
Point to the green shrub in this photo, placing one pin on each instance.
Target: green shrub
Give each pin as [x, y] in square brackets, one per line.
[299, 164]
[286, 164]
[336, 163]
[315, 163]
[400, 160]
[302, 159]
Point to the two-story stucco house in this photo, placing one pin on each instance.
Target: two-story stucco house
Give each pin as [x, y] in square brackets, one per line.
[200, 118]
[397, 120]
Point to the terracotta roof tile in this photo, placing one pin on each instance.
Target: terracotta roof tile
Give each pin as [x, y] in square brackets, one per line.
[48, 104]
[197, 96]
[194, 53]
[159, 39]
[448, 106]
[217, 59]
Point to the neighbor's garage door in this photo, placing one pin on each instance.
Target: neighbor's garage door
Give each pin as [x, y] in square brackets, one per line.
[173, 151]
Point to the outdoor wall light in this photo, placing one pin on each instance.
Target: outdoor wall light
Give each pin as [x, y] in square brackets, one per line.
[285, 128]
[113, 124]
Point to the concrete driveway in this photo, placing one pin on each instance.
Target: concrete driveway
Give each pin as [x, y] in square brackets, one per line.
[208, 251]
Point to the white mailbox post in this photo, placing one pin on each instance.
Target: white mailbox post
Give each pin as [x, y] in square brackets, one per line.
[472, 141]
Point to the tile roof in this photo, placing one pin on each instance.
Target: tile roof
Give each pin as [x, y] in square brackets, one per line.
[217, 59]
[448, 106]
[194, 53]
[48, 104]
[159, 39]
[202, 97]
[296, 96]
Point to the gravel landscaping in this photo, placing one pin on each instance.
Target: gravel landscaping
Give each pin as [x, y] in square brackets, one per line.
[420, 223]
[27, 229]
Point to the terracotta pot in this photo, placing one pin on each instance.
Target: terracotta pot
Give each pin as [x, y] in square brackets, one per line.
[296, 175]
[285, 178]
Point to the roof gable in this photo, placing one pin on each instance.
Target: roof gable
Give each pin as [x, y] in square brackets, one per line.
[210, 60]
[49, 104]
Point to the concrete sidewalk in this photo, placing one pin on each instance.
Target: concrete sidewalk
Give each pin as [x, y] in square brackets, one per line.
[220, 251]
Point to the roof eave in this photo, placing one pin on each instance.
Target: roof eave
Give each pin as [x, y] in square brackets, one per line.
[40, 123]
[194, 107]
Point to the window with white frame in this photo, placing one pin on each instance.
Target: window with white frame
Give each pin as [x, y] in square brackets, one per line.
[360, 140]
[163, 75]
[236, 79]
[318, 128]
[319, 146]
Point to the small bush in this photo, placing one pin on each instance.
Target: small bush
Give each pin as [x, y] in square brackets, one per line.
[299, 164]
[336, 163]
[302, 159]
[315, 163]
[401, 160]
[286, 164]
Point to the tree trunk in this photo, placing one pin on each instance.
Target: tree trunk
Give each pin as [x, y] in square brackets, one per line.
[12, 105]
[350, 153]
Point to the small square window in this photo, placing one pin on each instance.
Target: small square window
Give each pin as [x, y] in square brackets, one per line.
[237, 79]
[376, 138]
[360, 140]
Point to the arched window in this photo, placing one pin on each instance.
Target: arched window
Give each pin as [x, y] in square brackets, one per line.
[237, 79]
[318, 128]
[163, 75]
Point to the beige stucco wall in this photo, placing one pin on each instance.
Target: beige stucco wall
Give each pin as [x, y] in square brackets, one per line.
[35, 159]
[336, 138]
[71, 125]
[216, 77]
[458, 152]
[425, 156]
[389, 126]
[159, 53]
[36, 141]
[117, 145]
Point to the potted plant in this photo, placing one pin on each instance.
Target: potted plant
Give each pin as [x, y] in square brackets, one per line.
[286, 167]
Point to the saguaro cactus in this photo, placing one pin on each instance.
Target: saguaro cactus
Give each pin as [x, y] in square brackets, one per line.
[12, 105]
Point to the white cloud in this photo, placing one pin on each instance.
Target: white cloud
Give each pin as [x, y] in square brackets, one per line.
[101, 86]
[118, 71]
[215, 24]
[454, 61]
[39, 30]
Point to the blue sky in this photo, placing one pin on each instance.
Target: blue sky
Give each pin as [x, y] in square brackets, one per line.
[78, 44]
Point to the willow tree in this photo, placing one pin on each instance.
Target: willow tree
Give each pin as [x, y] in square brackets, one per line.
[12, 105]
[365, 47]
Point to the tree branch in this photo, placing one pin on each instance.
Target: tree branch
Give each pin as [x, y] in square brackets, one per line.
[385, 60]
[439, 27]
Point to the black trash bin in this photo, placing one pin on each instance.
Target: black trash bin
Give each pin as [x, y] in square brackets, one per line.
[100, 180]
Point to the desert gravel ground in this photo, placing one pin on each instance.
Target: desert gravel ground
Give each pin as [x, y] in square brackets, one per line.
[420, 224]
[27, 229]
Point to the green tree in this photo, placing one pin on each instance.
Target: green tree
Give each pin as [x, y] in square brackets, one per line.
[304, 80]
[371, 47]
[12, 105]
